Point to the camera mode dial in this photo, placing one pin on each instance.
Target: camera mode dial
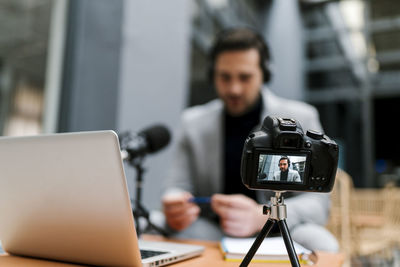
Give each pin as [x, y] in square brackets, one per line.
[315, 134]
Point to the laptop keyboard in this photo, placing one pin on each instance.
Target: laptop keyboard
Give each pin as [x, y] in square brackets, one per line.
[150, 253]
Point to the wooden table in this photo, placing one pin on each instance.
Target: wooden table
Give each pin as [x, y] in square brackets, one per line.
[211, 257]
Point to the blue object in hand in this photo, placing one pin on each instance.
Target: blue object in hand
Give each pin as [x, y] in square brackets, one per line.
[200, 200]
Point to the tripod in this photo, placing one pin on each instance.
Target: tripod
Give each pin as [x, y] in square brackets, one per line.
[277, 213]
[139, 210]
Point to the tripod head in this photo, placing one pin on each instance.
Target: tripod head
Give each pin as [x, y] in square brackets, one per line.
[277, 209]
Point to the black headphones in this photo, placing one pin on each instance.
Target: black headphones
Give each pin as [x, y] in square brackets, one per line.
[240, 39]
[284, 157]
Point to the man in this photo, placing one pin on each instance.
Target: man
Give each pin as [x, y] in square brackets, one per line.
[285, 174]
[209, 147]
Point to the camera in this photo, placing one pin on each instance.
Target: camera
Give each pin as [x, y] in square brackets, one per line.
[280, 157]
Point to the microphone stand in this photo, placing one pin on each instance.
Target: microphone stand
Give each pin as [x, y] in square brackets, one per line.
[139, 210]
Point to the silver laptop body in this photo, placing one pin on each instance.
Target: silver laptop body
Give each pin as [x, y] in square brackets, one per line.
[64, 197]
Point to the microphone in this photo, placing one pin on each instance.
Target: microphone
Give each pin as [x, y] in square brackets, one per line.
[147, 141]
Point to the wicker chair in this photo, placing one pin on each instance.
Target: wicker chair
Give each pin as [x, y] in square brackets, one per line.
[339, 221]
[391, 212]
[365, 221]
[375, 220]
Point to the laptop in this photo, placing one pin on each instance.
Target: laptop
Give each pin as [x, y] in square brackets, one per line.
[64, 197]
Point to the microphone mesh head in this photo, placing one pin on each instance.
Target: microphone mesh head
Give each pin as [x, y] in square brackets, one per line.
[157, 137]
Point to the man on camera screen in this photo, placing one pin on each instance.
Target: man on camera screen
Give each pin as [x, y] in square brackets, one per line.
[285, 174]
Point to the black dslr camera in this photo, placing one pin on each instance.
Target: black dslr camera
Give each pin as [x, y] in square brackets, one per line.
[280, 157]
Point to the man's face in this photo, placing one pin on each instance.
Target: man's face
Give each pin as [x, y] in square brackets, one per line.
[238, 79]
[283, 165]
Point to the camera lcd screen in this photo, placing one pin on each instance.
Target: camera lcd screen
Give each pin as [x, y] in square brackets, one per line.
[281, 168]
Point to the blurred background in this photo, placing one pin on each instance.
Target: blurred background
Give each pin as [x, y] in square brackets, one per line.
[77, 65]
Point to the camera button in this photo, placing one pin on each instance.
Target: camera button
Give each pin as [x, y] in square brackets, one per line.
[311, 188]
[319, 188]
[315, 134]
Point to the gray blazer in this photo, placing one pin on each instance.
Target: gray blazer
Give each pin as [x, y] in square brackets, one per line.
[197, 163]
[293, 176]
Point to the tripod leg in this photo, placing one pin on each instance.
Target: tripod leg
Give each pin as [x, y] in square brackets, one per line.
[288, 243]
[142, 212]
[136, 218]
[264, 232]
[158, 229]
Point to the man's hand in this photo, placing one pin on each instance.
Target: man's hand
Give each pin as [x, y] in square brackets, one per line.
[179, 212]
[239, 215]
